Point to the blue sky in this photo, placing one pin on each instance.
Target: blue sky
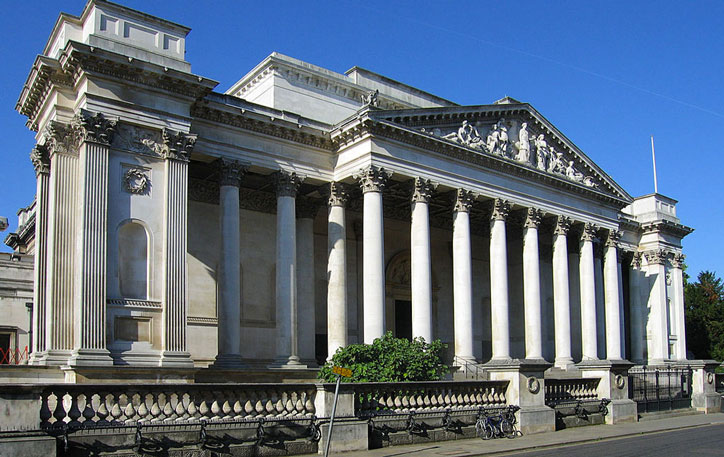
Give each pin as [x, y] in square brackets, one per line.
[607, 74]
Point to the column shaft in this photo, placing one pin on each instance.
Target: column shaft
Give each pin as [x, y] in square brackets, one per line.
[306, 211]
[588, 295]
[611, 288]
[463, 277]
[421, 280]
[637, 330]
[677, 304]
[561, 298]
[41, 162]
[499, 282]
[531, 287]
[336, 271]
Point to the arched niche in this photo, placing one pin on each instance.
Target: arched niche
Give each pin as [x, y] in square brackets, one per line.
[134, 246]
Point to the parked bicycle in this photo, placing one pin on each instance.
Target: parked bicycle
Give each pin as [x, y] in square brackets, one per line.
[500, 425]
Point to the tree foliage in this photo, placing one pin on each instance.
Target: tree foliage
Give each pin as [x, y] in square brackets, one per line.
[704, 301]
[389, 359]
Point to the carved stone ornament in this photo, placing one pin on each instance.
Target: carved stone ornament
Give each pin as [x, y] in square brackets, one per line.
[373, 179]
[176, 145]
[422, 190]
[287, 183]
[533, 385]
[41, 159]
[656, 257]
[463, 200]
[93, 128]
[563, 225]
[613, 238]
[336, 193]
[230, 172]
[60, 139]
[620, 381]
[371, 98]
[589, 232]
[533, 218]
[136, 181]
[501, 209]
[138, 140]
[677, 260]
[636, 260]
[710, 378]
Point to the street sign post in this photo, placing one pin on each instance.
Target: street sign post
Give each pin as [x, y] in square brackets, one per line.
[340, 372]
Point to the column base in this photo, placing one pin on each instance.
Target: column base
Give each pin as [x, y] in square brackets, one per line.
[90, 358]
[564, 363]
[229, 362]
[288, 363]
[37, 358]
[176, 359]
[54, 357]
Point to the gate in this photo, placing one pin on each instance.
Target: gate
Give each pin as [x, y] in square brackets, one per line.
[660, 389]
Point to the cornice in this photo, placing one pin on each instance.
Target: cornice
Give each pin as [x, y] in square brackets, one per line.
[666, 227]
[44, 74]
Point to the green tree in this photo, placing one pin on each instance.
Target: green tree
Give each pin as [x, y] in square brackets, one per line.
[389, 359]
[704, 301]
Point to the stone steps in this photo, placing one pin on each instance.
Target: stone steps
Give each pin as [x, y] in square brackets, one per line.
[668, 414]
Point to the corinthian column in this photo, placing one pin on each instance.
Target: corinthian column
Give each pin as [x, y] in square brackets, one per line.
[561, 297]
[176, 149]
[658, 322]
[463, 276]
[373, 180]
[588, 294]
[229, 331]
[611, 290]
[336, 269]
[421, 260]
[287, 185]
[531, 286]
[677, 306]
[637, 329]
[499, 281]
[95, 133]
[41, 162]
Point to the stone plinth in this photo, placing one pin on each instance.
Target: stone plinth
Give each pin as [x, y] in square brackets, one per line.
[704, 396]
[613, 375]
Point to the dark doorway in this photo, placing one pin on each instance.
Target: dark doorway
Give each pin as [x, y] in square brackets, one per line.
[403, 319]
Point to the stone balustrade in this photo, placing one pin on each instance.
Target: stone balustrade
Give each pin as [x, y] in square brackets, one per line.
[373, 398]
[83, 404]
[568, 390]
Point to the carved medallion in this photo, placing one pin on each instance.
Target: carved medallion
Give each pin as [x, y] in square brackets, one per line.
[136, 181]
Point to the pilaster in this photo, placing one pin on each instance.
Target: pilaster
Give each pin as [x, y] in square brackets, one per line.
[41, 162]
[677, 305]
[658, 325]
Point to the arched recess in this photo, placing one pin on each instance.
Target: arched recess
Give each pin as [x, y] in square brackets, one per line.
[134, 259]
[398, 295]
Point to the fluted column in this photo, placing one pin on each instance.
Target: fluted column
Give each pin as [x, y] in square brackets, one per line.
[229, 284]
[287, 185]
[307, 209]
[176, 149]
[637, 330]
[373, 181]
[499, 318]
[41, 162]
[95, 133]
[463, 276]
[600, 299]
[658, 322]
[611, 290]
[561, 297]
[588, 294]
[677, 306]
[531, 286]
[336, 269]
[421, 260]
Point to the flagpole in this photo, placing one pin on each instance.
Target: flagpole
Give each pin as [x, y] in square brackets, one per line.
[653, 157]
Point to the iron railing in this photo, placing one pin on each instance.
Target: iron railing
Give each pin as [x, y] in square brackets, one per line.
[660, 389]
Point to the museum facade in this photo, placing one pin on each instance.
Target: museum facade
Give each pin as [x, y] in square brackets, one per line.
[303, 210]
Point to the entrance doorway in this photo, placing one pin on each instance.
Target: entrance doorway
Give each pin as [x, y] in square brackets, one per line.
[403, 319]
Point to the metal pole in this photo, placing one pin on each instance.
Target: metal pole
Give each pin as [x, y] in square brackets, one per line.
[653, 157]
[331, 418]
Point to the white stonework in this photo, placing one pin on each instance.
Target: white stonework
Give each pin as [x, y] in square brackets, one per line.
[180, 226]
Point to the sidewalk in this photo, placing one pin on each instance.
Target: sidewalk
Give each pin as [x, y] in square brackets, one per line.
[475, 447]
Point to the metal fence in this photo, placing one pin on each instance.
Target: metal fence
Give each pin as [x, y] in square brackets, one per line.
[660, 389]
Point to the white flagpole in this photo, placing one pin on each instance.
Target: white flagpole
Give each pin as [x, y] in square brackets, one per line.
[653, 156]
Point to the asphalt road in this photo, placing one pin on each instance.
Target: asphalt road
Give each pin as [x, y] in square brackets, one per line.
[704, 441]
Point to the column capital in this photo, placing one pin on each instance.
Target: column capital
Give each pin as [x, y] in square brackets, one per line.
[613, 238]
[177, 145]
[373, 179]
[677, 260]
[501, 209]
[287, 183]
[230, 172]
[589, 232]
[307, 208]
[336, 193]
[422, 190]
[93, 127]
[59, 139]
[41, 159]
[533, 218]
[463, 201]
[656, 256]
[636, 259]
[563, 225]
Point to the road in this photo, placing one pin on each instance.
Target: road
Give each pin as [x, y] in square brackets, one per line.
[704, 441]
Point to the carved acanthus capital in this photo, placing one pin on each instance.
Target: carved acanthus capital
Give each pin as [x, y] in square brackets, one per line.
[563, 225]
[613, 238]
[501, 210]
[422, 190]
[60, 138]
[177, 145]
[307, 208]
[336, 193]
[373, 179]
[41, 159]
[589, 232]
[656, 257]
[533, 218]
[636, 260]
[463, 201]
[287, 183]
[93, 127]
[230, 172]
[677, 260]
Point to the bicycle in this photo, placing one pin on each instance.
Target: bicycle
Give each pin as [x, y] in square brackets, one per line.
[498, 425]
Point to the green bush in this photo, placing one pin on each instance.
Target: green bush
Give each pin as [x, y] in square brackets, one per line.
[389, 359]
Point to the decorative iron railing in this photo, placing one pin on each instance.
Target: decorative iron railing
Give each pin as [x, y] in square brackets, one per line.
[656, 389]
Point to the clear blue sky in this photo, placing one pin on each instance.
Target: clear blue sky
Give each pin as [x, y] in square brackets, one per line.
[607, 74]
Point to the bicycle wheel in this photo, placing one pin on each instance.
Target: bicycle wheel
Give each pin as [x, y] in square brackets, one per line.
[488, 431]
[507, 429]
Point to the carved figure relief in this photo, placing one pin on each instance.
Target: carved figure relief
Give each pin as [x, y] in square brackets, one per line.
[523, 144]
[134, 139]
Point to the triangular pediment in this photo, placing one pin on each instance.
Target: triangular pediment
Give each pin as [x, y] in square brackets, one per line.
[510, 132]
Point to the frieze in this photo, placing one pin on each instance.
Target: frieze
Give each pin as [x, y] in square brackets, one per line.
[131, 138]
[205, 191]
[41, 159]
[422, 190]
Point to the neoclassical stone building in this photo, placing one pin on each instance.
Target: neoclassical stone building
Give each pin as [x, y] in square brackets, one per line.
[302, 210]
